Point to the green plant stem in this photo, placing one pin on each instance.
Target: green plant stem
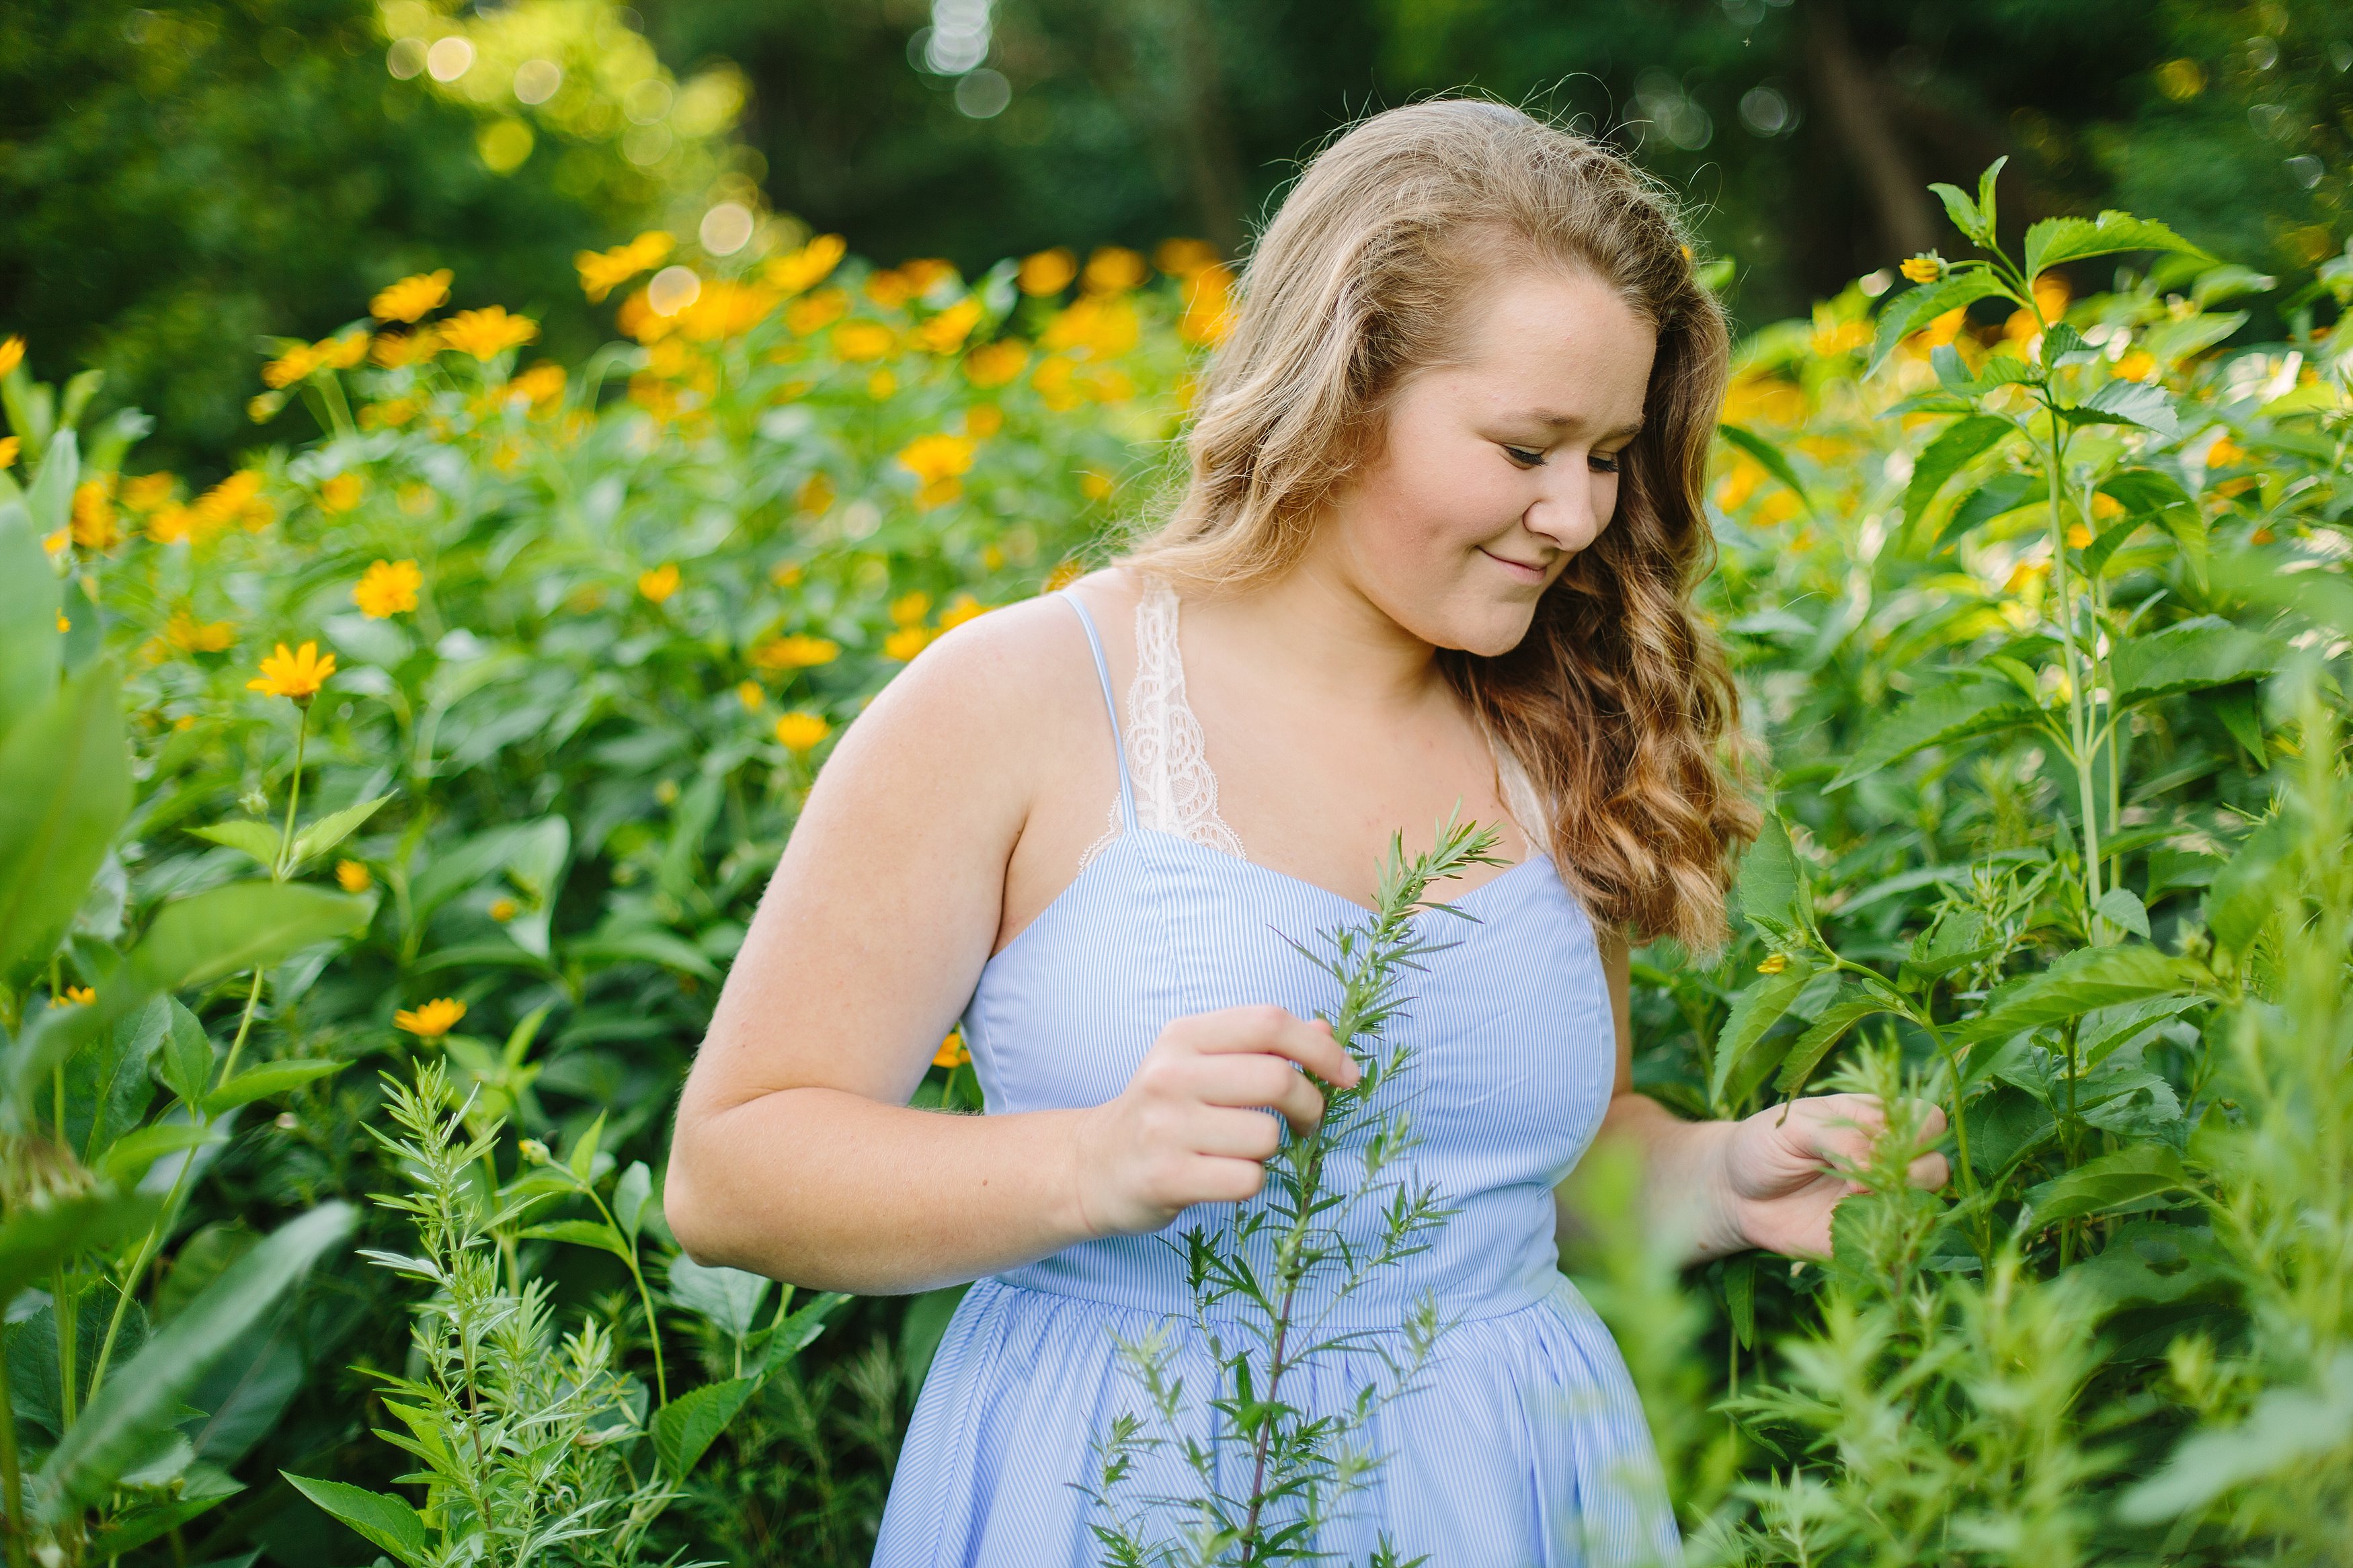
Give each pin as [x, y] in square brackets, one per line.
[68, 1314]
[282, 871]
[645, 1297]
[12, 1481]
[2078, 697]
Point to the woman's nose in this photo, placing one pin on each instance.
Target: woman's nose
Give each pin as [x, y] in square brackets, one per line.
[1567, 515]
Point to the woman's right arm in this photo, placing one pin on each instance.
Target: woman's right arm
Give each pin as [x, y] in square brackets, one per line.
[796, 1154]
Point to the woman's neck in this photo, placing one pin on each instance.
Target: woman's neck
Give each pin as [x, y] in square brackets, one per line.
[1313, 633]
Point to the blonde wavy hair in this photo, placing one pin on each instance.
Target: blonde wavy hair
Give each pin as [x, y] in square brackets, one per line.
[1617, 702]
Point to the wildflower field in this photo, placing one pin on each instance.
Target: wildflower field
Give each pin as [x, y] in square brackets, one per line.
[377, 823]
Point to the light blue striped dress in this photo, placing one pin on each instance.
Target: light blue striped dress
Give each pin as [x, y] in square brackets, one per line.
[1522, 1443]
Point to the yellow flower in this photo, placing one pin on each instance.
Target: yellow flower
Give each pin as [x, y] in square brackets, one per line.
[1104, 325]
[1112, 269]
[8, 448]
[908, 609]
[387, 588]
[341, 353]
[1184, 257]
[1208, 306]
[2224, 453]
[814, 496]
[750, 695]
[539, 387]
[945, 333]
[962, 608]
[1094, 486]
[237, 499]
[342, 494]
[951, 1052]
[602, 272]
[889, 287]
[983, 420]
[863, 340]
[2078, 536]
[808, 267]
[296, 675]
[2137, 365]
[994, 365]
[504, 909]
[75, 997]
[148, 492]
[433, 1020]
[55, 541]
[795, 652]
[172, 525]
[725, 309]
[12, 353]
[1049, 271]
[1923, 269]
[93, 517]
[937, 458]
[488, 332]
[882, 384]
[799, 731]
[1774, 963]
[353, 877]
[787, 573]
[1062, 576]
[411, 296]
[187, 634]
[296, 363]
[819, 310]
[660, 584]
[905, 643]
[394, 350]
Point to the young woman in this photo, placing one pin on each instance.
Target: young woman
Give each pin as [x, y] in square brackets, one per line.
[1437, 547]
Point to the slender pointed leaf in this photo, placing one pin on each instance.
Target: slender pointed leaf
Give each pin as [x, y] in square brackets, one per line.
[30, 655]
[1955, 447]
[2131, 1174]
[1952, 711]
[386, 1522]
[65, 786]
[333, 829]
[1753, 1012]
[1769, 457]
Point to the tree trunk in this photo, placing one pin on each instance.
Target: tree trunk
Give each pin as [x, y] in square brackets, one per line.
[1857, 110]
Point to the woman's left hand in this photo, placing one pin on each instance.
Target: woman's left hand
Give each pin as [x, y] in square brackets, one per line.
[1785, 1168]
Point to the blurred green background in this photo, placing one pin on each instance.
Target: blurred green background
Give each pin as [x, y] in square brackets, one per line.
[179, 180]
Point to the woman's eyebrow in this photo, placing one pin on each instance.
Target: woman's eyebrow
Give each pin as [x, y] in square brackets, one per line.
[1546, 416]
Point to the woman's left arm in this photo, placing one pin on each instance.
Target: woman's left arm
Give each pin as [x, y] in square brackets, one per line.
[1769, 1180]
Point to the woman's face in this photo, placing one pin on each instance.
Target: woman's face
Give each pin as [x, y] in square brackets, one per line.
[1497, 469]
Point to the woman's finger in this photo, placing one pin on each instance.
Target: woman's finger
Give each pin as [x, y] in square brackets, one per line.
[1272, 1030]
[1930, 1170]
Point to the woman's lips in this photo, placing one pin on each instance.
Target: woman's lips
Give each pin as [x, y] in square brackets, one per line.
[1519, 569]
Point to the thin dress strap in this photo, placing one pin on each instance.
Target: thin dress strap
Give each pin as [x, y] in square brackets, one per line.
[1110, 706]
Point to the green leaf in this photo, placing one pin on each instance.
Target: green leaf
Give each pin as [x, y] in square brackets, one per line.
[50, 500]
[1852, 1007]
[332, 829]
[266, 1080]
[146, 1394]
[2251, 888]
[29, 650]
[631, 1193]
[1772, 885]
[201, 1488]
[65, 786]
[1955, 447]
[2289, 1429]
[1951, 711]
[2112, 1181]
[795, 1334]
[2000, 493]
[256, 839]
[1916, 307]
[646, 945]
[2189, 656]
[2087, 978]
[583, 1163]
[1740, 1297]
[685, 1429]
[729, 1298]
[1963, 212]
[2122, 907]
[188, 1056]
[244, 925]
[130, 1156]
[386, 1522]
[1985, 196]
[2127, 403]
[1754, 1013]
[2058, 239]
[593, 1233]
[38, 1237]
[1768, 456]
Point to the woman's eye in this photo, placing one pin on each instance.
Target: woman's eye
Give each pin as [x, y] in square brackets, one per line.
[1523, 456]
[1604, 462]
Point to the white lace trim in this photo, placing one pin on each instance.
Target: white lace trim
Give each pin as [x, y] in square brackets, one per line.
[1167, 759]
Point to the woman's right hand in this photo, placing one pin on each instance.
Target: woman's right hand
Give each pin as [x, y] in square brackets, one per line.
[1190, 1127]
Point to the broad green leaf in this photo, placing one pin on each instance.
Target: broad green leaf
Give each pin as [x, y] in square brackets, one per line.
[1985, 193]
[2252, 887]
[2087, 978]
[50, 498]
[647, 945]
[386, 1522]
[2106, 1030]
[631, 1193]
[198, 1491]
[2189, 656]
[29, 650]
[795, 1334]
[2058, 341]
[256, 839]
[2288, 1429]
[266, 1080]
[1962, 211]
[729, 1298]
[146, 1392]
[1852, 1008]
[1955, 447]
[1772, 884]
[244, 925]
[685, 1429]
[109, 1082]
[1754, 1013]
[2129, 1176]
[1951, 711]
[130, 1156]
[333, 829]
[593, 1233]
[2000, 494]
[187, 1059]
[2122, 907]
[2058, 239]
[582, 1162]
[1916, 308]
[2127, 403]
[1768, 456]
[64, 784]
[38, 1237]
